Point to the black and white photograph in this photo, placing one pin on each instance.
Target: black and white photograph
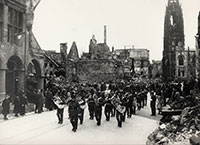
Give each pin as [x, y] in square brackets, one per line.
[100, 72]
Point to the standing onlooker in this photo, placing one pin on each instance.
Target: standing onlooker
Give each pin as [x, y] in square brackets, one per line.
[6, 107]
[159, 103]
[17, 106]
[40, 101]
[23, 103]
[153, 104]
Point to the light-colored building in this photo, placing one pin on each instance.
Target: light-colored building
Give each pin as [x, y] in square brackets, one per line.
[137, 60]
[156, 69]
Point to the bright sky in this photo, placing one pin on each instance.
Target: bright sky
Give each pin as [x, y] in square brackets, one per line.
[129, 22]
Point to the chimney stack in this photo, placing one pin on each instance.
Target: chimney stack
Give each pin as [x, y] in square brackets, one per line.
[105, 35]
[63, 51]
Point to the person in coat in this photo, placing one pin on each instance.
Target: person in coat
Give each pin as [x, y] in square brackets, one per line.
[153, 104]
[108, 108]
[17, 106]
[119, 115]
[98, 108]
[23, 103]
[82, 104]
[129, 106]
[40, 101]
[60, 104]
[91, 105]
[73, 112]
[6, 107]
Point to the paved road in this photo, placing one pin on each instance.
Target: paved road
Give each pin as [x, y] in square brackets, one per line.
[43, 129]
[146, 112]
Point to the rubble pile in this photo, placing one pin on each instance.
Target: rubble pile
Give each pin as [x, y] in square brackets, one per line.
[183, 129]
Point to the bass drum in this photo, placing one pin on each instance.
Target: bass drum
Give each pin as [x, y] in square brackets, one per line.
[58, 102]
[116, 103]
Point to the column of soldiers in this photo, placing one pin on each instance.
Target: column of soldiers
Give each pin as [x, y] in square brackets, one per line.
[113, 99]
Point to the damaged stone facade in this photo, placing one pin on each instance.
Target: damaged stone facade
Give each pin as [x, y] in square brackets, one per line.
[95, 66]
[21, 58]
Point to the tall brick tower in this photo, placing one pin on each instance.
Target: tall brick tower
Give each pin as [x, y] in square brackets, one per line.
[173, 38]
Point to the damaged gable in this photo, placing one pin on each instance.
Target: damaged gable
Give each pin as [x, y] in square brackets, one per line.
[73, 53]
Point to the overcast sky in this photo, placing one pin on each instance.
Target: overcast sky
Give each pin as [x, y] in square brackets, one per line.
[129, 22]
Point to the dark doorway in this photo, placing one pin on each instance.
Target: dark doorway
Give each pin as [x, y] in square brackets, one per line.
[14, 66]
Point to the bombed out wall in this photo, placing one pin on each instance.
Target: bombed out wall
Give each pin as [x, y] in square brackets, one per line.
[94, 71]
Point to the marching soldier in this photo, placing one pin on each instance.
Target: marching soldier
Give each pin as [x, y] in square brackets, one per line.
[73, 112]
[98, 109]
[129, 106]
[108, 108]
[60, 109]
[119, 115]
[91, 104]
[82, 104]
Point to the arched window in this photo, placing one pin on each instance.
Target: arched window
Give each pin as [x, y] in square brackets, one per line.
[181, 60]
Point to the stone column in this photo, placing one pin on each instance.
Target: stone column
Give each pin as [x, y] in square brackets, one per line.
[21, 75]
[5, 24]
[2, 83]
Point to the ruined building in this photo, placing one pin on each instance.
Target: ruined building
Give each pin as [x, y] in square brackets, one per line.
[135, 60]
[178, 63]
[95, 66]
[99, 50]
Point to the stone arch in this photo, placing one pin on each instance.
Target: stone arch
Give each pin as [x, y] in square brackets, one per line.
[34, 73]
[14, 75]
[34, 80]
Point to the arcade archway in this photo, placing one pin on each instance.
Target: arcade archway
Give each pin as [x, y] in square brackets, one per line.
[34, 80]
[14, 75]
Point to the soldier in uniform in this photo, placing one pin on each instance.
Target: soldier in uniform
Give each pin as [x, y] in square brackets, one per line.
[108, 108]
[73, 112]
[129, 106]
[98, 109]
[60, 110]
[134, 105]
[82, 104]
[119, 115]
[91, 104]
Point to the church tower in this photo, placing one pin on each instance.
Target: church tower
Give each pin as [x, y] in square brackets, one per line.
[173, 38]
